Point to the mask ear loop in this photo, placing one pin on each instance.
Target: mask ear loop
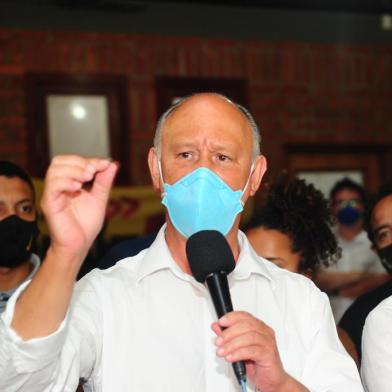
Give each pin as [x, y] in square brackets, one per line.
[163, 194]
[247, 183]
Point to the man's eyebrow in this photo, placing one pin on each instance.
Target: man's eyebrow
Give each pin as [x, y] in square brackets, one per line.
[183, 143]
[223, 146]
[273, 258]
[379, 228]
[215, 145]
[25, 200]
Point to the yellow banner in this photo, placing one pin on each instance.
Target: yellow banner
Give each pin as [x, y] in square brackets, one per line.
[131, 211]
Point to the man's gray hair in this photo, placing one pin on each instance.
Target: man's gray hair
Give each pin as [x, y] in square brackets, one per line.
[179, 102]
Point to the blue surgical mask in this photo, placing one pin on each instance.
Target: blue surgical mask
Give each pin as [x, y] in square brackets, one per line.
[202, 201]
[348, 215]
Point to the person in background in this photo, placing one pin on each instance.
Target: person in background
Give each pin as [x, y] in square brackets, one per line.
[376, 365]
[18, 230]
[353, 319]
[293, 228]
[146, 324]
[359, 269]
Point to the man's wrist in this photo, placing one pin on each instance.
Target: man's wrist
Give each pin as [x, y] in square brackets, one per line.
[289, 384]
[64, 262]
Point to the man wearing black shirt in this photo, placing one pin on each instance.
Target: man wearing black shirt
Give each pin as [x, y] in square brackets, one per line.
[353, 319]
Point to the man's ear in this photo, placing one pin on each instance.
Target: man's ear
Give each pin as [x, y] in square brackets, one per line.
[259, 169]
[154, 170]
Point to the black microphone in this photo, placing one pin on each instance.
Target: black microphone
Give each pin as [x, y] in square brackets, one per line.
[211, 260]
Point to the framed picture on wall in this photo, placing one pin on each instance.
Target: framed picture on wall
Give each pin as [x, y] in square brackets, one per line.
[324, 164]
[324, 180]
[76, 114]
[78, 117]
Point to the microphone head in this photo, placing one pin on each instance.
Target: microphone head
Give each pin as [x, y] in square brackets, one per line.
[208, 252]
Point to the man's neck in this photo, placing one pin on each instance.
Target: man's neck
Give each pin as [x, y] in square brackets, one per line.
[11, 278]
[177, 243]
[348, 233]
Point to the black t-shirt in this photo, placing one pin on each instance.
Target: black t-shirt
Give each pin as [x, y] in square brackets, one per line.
[354, 318]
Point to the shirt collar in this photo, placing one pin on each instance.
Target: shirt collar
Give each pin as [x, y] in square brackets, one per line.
[249, 262]
[360, 238]
[34, 259]
[158, 257]
[36, 263]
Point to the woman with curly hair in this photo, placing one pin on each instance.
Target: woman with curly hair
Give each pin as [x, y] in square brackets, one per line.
[293, 228]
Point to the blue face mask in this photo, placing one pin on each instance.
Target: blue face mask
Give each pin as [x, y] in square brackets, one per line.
[348, 215]
[202, 201]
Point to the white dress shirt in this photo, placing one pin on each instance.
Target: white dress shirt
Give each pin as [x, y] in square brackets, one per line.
[376, 366]
[5, 295]
[144, 325]
[357, 256]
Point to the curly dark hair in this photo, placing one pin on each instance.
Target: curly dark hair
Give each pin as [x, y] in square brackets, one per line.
[300, 211]
[384, 191]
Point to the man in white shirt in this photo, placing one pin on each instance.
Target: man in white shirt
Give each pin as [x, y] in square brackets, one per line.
[359, 270]
[144, 325]
[18, 230]
[376, 367]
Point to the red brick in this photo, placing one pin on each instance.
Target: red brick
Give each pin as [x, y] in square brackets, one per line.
[298, 92]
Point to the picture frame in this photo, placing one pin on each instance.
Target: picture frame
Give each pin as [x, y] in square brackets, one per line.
[54, 100]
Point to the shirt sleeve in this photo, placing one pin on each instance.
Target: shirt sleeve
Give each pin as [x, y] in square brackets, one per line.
[54, 362]
[328, 366]
[376, 367]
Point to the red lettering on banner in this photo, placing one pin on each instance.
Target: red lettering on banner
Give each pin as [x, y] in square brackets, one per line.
[122, 208]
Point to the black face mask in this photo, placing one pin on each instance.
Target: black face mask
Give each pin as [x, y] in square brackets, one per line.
[385, 255]
[17, 237]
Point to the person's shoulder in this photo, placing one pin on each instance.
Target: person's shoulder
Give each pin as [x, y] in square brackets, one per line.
[354, 317]
[124, 270]
[385, 305]
[381, 315]
[302, 302]
[125, 249]
[372, 298]
[277, 275]
[283, 278]
[127, 266]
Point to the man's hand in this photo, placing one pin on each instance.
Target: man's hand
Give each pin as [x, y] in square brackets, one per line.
[74, 202]
[242, 337]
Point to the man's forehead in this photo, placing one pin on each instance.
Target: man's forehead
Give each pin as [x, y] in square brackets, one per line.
[15, 186]
[208, 110]
[347, 194]
[383, 210]
[208, 98]
[204, 103]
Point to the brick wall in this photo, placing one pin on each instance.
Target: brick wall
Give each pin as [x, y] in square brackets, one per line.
[298, 92]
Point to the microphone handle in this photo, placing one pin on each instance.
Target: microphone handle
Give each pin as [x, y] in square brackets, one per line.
[219, 289]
